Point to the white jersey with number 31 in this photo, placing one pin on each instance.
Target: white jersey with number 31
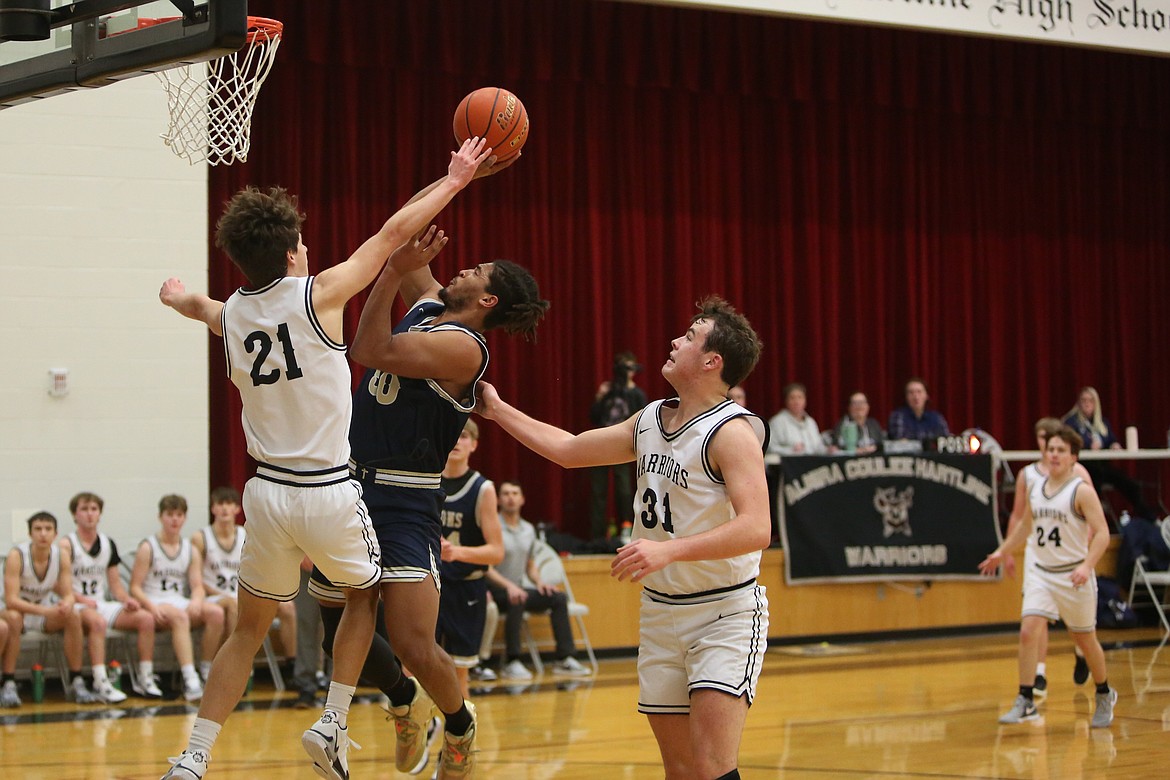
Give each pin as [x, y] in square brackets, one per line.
[680, 495]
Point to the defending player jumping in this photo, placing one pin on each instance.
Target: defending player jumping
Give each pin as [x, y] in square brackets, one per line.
[702, 508]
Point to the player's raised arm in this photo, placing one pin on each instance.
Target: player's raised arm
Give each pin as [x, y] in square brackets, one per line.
[195, 306]
[597, 447]
[336, 285]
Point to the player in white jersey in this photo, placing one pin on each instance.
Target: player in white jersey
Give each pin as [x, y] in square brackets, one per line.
[38, 593]
[702, 509]
[1066, 533]
[222, 544]
[102, 598]
[1026, 478]
[168, 581]
[285, 351]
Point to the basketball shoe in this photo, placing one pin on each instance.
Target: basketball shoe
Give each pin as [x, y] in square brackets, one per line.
[106, 692]
[457, 757]
[410, 730]
[327, 743]
[1081, 670]
[146, 686]
[1022, 710]
[1104, 713]
[189, 765]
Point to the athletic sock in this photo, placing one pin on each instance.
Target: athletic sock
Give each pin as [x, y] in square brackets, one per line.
[1103, 687]
[203, 735]
[1026, 692]
[458, 722]
[1040, 669]
[732, 775]
[402, 693]
[189, 673]
[339, 698]
[381, 669]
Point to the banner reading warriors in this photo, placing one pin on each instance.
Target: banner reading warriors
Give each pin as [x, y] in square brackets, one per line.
[887, 517]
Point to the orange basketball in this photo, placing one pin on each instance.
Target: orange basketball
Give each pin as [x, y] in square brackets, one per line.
[495, 114]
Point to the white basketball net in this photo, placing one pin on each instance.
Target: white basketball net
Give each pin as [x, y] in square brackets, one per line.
[211, 118]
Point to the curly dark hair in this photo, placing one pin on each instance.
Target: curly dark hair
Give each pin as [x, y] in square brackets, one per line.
[258, 230]
[520, 308]
[731, 336]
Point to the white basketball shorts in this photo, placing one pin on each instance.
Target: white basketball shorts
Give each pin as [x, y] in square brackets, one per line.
[107, 609]
[1052, 595]
[328, 523]
[712, 644]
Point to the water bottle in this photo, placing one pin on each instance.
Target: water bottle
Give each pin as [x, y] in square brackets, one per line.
[38, 683]
[116, 675]
[1123, 521]
[542, 532]
[849, 436]
[627, 532]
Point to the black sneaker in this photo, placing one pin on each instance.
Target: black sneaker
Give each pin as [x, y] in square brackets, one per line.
[1040, 687]
[1081, 670]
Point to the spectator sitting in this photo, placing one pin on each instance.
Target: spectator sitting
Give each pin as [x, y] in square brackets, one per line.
[1089, 422]
[914, 421]
[516, 588]
[794, 432]
[857, 432]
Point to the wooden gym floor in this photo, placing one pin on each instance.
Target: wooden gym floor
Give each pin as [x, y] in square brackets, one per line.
[909, 709]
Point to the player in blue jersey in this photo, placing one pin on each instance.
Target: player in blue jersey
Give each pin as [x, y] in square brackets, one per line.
[408, 413]
[472, 541]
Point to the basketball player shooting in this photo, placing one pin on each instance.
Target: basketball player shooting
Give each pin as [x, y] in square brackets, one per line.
[702, 502]
[286, 325]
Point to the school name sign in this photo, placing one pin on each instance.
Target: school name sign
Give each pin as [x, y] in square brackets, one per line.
[1130, 25]
[886, 517]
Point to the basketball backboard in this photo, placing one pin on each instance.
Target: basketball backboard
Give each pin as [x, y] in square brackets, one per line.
[52, 46]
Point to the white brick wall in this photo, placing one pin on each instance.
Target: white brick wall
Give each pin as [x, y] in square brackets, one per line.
[95, 212]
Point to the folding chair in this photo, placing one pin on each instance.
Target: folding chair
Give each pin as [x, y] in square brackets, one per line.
[552, 572]
[1149, 579]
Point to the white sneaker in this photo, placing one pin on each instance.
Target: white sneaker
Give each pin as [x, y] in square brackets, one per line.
[107, 694]
[192, 689]
[327, 742]
[8, 695]
[204, 670]
[189, 765]
[516, 670]
[79, 693]
[147, 686]
[572, 667]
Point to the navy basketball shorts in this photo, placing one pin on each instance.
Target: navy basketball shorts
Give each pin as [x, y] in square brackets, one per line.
[462, 613]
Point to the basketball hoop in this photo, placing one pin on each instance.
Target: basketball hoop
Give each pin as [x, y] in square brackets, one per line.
[211, 105]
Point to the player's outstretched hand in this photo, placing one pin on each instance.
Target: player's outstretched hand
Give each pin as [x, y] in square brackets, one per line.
[489, 400]
[492, 165]
[419, 251]
[465, 162]
[172, 290]
[639, 558]
[990, 564]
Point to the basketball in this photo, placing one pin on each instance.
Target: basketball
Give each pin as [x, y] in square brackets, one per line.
[495, 114]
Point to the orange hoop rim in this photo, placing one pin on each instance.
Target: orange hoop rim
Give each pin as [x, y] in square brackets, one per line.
[258, 26]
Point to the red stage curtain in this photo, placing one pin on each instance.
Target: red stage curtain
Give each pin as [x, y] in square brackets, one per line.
[989, 215]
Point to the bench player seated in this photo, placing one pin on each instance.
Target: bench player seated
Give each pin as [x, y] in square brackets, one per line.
[168, 581]
[38, 595]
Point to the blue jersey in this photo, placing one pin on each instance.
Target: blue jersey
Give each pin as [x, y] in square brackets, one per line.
[461, 522]
[404, 428]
